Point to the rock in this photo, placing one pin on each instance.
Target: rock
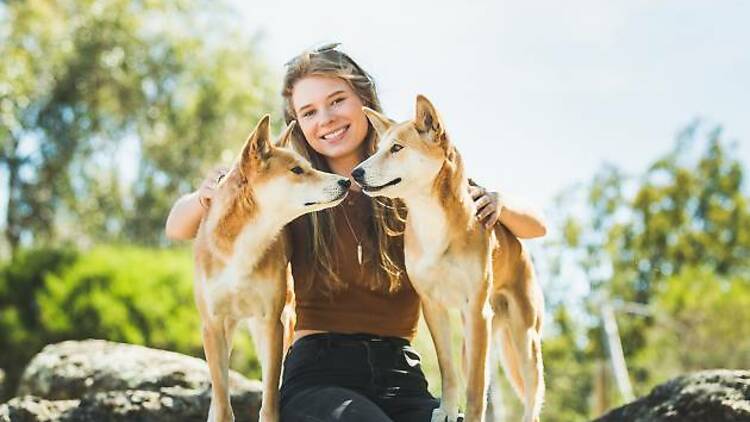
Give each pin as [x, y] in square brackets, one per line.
[33, 409]
[68, 370]
[174, 404]
[707, 396]
[96, 380]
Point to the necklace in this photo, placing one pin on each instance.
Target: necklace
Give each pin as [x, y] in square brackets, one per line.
[359, 244]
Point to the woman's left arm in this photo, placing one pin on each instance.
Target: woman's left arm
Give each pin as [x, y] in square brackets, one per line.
[521, 220]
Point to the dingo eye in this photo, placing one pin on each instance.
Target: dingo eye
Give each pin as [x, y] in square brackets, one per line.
[396, 148]
[297, 170]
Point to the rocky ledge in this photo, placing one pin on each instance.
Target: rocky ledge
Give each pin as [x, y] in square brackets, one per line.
[96, 380]
[708, 396]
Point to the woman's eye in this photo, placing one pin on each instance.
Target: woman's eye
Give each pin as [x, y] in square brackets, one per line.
[396, 148]
[307, 114]
[297, 170]
[338, 100]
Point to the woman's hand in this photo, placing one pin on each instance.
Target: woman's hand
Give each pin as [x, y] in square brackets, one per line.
[186, 213]
[522, 220]
[208, 186]
[488, 205]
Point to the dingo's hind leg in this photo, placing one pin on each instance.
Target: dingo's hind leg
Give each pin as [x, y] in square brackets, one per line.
[523, 345]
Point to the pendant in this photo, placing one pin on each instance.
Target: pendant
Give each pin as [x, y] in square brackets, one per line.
[359, 253]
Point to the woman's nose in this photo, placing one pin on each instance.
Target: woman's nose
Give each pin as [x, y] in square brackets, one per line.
[326, 117]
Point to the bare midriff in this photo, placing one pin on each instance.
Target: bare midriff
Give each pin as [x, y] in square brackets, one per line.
[302, 333]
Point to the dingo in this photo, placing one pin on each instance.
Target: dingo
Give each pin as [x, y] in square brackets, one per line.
[241, 259]
[454, 263]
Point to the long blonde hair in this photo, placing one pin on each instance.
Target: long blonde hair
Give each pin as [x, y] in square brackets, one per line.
[388, 216]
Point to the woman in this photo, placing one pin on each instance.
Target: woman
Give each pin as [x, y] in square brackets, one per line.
[356, 310]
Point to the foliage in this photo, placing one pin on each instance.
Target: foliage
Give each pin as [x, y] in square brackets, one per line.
[123, 294]
[21, 328]
[702, 323]
[110, 109]
[669, 249]
[126, 294]
[568, 370]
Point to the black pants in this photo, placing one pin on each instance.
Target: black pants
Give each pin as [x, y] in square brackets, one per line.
[354, 377]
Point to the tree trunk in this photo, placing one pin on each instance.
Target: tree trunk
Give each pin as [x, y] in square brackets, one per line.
[12, 228]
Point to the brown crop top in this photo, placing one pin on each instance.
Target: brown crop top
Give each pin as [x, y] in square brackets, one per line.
[355, 308]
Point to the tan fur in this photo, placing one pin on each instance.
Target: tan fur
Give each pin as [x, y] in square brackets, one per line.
[454, 263]
[241, 260]
[289, 314]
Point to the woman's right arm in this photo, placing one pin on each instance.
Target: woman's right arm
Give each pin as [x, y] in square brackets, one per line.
[187, 212]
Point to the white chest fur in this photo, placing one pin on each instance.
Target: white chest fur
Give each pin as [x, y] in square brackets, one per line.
[239, 293]
[241, 288]
[438, 269]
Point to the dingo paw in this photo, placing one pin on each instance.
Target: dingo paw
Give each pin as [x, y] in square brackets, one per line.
[442, 415]
[218, 415]
[268, 416]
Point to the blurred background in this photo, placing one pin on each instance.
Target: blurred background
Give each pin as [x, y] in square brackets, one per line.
[627, 122]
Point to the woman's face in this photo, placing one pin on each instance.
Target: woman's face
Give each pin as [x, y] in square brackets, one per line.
[330, 115]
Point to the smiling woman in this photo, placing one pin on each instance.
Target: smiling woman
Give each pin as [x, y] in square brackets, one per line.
[356, 312]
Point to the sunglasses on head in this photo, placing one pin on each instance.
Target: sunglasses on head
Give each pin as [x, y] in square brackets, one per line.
[320, 50]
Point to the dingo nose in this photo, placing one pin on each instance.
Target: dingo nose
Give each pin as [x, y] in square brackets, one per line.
[345, 183]
[358, 174]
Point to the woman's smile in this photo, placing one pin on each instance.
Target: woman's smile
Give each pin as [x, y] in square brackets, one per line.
[336, 135]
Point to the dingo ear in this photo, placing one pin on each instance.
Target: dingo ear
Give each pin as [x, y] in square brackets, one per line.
[257, 146]
[286, 135]
[378, 121]
[427, 118]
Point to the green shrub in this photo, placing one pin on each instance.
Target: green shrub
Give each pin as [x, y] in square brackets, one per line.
[131, 295]
[22, 334]
[118, 293]
[701, 323]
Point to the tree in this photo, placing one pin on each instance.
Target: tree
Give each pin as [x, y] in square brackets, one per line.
[670, 243]
[94, 91]
[568, 368]
[686, 213]
[701, 322]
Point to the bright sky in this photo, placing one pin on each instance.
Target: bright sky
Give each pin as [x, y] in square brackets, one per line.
[537, 95]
